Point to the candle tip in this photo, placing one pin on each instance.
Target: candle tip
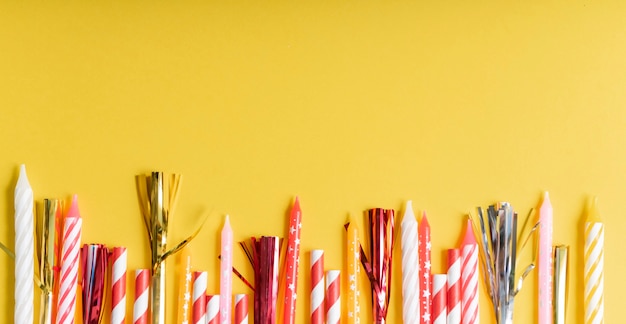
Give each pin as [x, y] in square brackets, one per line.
[592, 212]
[227, 220]
[424, 221]
[73, 211]
[22, 178]
[469, 237]
[409, 204]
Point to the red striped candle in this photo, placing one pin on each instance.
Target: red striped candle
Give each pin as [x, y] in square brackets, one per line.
[142, 289]
[424, 247]
[212, 309]
[241, 309]
[439, 298]
[118, 285]
[454, 286]
[66, 307]
[317, 286]
[333, 300]
[199, 297]
[469, 278]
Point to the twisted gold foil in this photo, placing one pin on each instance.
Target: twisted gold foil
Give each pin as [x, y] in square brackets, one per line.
[45, 229]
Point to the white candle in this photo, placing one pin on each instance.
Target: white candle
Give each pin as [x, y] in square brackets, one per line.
[24, 250]
[410, 267]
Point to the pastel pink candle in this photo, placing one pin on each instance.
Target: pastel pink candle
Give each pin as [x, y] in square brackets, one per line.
[544, 262]
[226, 270]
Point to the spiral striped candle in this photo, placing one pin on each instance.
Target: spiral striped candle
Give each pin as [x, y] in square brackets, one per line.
[439, 298]
[410, 270]
[118, 285]
[241, 309]
[199, 297]
[594, 267]
[317, 287]
[24, 250]
[213, 309]
[66, 307]
[544, 263]
[333, 300]
[142, 290]
[353, 263]
[454, 286]
[424, 247]
[469, 277]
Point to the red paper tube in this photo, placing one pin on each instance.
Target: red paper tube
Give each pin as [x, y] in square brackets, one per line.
[199, 297]
[317, 287]
[213, 309]
[424, 248]
[118, 286]
[142, 287]
[241, 309]
[454, 286]
[333, 294]
[439, 298]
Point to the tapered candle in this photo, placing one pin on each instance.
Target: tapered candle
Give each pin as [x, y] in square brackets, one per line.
[469, 278]
[24, 250]
[454, 286]
[293, 257]
[333, 297]
[424, 247]
[353, 270]
[410, 270]
[439, 298]
[226, 270]
[544, 262]
[594, 266]
[213, 309]
[142, 291]
[183, 270]
[199, 297]
[66, 307]
[118, 285]
[317, 287]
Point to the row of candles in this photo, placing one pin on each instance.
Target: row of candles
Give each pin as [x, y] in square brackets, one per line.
[427, 298]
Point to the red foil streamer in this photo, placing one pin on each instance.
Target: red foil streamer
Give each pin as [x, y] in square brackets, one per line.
[381, 235]
[263, 254]
[94, 265]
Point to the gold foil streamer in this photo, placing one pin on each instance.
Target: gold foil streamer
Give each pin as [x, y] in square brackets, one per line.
[45, 229]
[158, 194]
[561, 286]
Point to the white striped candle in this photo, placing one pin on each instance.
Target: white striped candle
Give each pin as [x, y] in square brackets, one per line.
[410, 267]
[317, 287]
[118, 285]
[212, 309]
[333, 296]
[440, 292]
[142, 289]
[24, 250]
[199, 297]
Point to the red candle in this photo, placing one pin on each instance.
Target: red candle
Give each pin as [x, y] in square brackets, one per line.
[424, 248]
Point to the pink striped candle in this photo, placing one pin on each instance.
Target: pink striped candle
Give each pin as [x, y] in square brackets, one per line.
[66, 307]
[118, 286]
[226, 271]
[142, 289]
[544, 262]
[410, 269]
[213, 309]
[241, 309]
[293, 257]
[317, 286]
[469, 277]
[424, 247]
[199, 297]
[333, 296]
[439, 298]
[454, 286]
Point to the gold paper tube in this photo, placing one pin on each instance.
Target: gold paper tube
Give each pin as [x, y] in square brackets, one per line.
[45, 243]
[561, 287]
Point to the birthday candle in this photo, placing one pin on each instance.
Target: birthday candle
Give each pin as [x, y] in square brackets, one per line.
[317, 287]
[199, 297]
[469, 277]
[118, 286]
[410, 270]
[293, 257]
[142, 289]
[354, 268]
[594, 266]
[66, 308]
[226, 267]
[24, 250]
[439, 298]
[424, 247]
[454, 286]
[544, 262]
[333, 300]
[213, 309]
[241, 309]
[184, 285]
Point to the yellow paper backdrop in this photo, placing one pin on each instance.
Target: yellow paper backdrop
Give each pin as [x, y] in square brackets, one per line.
[347, 104]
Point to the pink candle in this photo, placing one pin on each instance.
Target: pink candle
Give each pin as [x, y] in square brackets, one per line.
[544, 262]
[317, 287]
[469, 277]
[118, 286]
[226, 267]
[424, 247]
[293, 256]
[66, 307]
[142, 289]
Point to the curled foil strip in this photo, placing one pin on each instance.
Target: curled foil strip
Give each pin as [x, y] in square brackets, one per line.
[561, 286]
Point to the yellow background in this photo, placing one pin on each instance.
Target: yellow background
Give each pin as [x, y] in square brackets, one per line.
[348, 104]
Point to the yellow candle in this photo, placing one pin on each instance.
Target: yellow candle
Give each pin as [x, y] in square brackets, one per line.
[183, 271]
[594, 266]
[353, 269]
